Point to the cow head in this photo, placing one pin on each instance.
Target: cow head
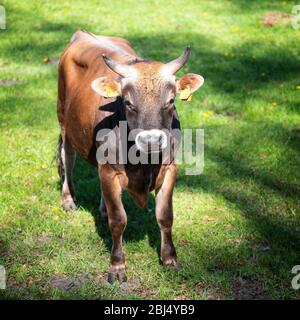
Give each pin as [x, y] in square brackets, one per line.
[148, 90]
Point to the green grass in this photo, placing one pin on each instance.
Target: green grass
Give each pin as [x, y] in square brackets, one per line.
[250, 187]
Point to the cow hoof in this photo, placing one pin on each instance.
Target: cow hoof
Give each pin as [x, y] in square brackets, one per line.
[68, 204]
[177, 266]
[172, 263]
[117, 273]
[117, 276]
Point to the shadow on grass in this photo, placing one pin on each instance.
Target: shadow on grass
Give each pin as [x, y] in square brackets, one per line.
[262, 195]
[241, 75]
[256, 5]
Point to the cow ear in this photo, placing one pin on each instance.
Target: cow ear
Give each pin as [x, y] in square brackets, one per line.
[188, 84]
[106, 87]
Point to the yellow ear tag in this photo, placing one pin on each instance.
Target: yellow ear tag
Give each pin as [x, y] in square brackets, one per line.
[111, 92]
[186, 94]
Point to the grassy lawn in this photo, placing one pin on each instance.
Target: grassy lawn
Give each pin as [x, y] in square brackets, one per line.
[236, 226]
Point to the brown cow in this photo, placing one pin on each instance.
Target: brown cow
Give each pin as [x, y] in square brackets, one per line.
[102, 81]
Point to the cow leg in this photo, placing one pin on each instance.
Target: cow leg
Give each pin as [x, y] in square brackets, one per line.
[102, 207]
[117, 221]
[164, 216]
[67, 155]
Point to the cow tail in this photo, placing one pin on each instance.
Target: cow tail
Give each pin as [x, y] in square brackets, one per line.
[60, 166]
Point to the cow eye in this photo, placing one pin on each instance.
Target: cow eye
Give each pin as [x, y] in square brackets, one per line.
[171, 101]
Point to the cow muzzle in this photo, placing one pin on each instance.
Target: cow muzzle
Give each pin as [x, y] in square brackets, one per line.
[151, 141]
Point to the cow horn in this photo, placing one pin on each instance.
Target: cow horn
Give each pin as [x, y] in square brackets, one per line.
[173, 66]
[123, 70]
